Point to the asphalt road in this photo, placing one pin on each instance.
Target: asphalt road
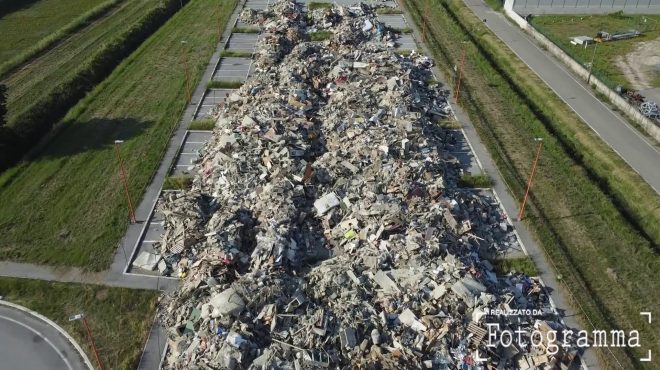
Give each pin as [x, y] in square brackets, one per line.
[558, 294]
[636, 150]
[29, 343]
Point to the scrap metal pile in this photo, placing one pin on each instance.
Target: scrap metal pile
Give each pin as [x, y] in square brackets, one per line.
[324, 227]
[648, 108]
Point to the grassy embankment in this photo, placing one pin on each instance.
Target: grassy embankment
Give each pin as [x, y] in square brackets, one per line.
[25, 24]
[119, 318]
[66, 206]
[38, 78]
[49, 90]
[560, 28]
[596, 219]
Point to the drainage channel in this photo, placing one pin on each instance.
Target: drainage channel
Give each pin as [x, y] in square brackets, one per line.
[145, 258]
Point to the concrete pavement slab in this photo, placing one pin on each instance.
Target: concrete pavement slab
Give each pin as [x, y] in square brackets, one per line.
[243, 42]
[257, 4]
[232, 69]
[406, 42]
[212, 98]
[393, 20]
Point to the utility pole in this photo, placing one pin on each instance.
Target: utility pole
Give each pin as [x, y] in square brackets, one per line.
[82, 318]
[122, 173]
[460, 76]
[591, 65]
[531, 177]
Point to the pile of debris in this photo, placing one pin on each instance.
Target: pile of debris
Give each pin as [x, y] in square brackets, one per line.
[648, 108]
[324, 226]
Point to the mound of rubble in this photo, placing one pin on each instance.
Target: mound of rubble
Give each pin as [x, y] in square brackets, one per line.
[324, 227]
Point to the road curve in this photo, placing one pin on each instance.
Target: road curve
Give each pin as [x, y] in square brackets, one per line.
[27, 342]
[640, 153]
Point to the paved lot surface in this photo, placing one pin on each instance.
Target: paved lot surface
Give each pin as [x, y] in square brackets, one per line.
[635, 149]
[462, 151]
[29, 343]
[257, 4]
[243, 42]
[185, 162]
[212, 98]
[233, 69]
[393, 20]
[193, 143]
[406, 42]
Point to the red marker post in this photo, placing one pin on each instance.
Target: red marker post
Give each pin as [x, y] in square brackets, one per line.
[531, 177]
[81, 317]
[122, 173]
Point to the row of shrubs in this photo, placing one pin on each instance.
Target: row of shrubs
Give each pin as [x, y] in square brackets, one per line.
[29, 127]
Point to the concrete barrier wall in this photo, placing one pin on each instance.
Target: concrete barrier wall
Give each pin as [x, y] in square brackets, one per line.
[629, 110]
[587, 6]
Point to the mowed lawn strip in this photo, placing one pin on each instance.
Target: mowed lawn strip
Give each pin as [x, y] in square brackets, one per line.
[23, 25]
[560, 28]
[119, 318]
[66, 206]
[39, 76]
[608, 266]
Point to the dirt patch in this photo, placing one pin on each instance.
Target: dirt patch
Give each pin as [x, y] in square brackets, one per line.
[642, 66]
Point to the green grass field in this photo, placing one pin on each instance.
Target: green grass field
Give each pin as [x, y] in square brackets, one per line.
[23, 25]
[495, 4]
[66, 206]
[560, 28]
[584, 195]
[119, 318]
[30, 83]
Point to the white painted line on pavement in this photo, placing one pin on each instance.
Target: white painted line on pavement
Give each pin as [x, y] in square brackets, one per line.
[50, 322]
[578, 114]
[66, 361]
[590, 93]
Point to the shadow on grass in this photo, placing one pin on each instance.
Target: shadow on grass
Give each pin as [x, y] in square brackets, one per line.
[9, 6]
[575, 215]
[74, 138]
[90, 135]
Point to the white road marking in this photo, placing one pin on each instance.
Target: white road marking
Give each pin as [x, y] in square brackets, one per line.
[41, 336]
[525, 37]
